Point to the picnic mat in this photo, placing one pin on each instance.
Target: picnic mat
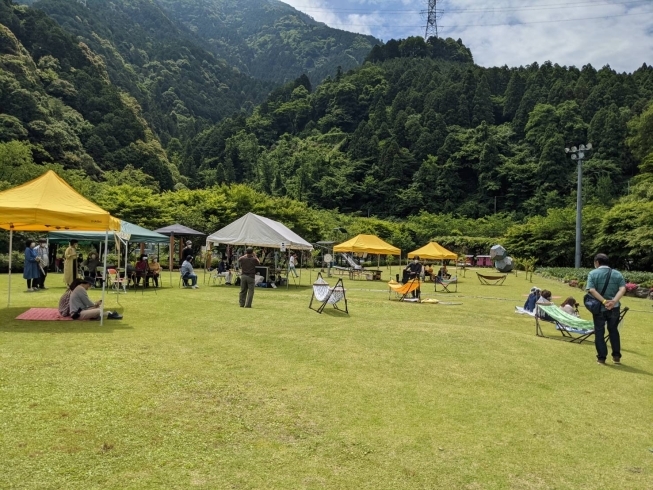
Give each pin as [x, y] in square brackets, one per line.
[42, 315]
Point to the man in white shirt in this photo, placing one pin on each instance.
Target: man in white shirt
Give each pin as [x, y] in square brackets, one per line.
[43, 259]
[291, 264]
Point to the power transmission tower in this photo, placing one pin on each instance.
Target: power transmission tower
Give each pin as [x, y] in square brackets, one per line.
[432, 15]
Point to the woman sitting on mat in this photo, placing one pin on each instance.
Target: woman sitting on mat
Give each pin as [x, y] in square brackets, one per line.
[64, 302]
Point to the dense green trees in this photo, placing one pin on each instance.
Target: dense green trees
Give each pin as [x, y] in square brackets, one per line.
[414, 130]
[270, 40]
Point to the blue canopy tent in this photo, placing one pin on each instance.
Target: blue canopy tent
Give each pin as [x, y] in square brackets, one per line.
[129, 232]
[132, 232]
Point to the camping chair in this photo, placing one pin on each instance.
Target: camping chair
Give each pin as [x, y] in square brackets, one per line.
[446, 283]
[217, 277]
[403, 290]
[115, 281]
[492, 280]
[327, 295]
[572, 328]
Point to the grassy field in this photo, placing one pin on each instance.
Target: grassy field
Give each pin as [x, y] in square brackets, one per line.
[191, 391]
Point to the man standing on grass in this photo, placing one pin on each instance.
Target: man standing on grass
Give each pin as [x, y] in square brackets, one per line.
[248, 263]
[43, 255]
[615, 287]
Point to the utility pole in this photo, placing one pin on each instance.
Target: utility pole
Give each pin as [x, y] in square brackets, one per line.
[432, 14]
[578, 154]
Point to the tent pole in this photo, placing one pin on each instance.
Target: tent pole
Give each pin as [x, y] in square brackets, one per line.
[11, 243]
[171, 251]
[126, 261]
[104, 282]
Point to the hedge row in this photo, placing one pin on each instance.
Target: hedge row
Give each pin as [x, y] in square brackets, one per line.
[566, 274]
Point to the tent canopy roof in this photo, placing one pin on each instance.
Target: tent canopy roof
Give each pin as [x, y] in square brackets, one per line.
[370, 244]
[137, 234]
[258, 231]
[178, 230]
[433, 251]
[48, 203]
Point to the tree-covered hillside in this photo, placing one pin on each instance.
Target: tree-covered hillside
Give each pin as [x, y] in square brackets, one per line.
[180, 86]
[269, 39]
[56, 97]
[420, 127]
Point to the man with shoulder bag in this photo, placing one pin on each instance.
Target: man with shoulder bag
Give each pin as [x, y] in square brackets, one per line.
[605, 288]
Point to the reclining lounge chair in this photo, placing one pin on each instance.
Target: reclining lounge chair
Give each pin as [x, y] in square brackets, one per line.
[573, 329]
[446, 284]
[326, 295]
[492, 280]
[403, 290]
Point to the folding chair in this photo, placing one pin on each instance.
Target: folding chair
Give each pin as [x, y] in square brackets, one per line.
[116, 282]
[446, 283]
[403, 290]
[326, 295]
[217, 277]
[492, 280]
[573, 329]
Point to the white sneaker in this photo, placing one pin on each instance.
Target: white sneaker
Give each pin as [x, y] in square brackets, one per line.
[196, 287]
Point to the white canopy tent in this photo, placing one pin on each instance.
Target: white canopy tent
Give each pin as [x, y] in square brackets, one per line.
[256, 231]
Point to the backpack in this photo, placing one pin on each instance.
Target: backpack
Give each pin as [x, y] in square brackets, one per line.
[64, 304]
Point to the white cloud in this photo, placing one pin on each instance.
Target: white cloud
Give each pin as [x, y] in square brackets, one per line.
[538, 32]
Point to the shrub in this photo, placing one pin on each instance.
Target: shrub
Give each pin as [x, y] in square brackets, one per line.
[631, 286]
[568, 274]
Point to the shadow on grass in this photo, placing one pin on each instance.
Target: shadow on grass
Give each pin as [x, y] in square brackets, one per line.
[629, 369]
[331, 311]
[9, 324]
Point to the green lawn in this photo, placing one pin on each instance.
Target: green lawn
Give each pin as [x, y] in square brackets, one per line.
[191, 391]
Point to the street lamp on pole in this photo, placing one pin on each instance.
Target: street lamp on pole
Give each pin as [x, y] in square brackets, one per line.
[578, 154]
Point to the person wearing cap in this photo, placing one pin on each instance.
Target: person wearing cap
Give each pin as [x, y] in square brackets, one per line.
[531, 301]
[82, 308]
[43, 256]
[248, 263]
[70, 263]
[187, 251]
[188, 274]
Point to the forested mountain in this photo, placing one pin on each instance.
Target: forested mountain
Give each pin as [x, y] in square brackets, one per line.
[55, 95]
[180, 86]
[420, 127]
[269, 39]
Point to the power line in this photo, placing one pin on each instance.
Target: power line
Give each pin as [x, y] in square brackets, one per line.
[551, 6]
[512, 24]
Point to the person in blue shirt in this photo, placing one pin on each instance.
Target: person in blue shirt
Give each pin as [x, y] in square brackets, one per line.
[614, 291]
[532, 299]
[31, 267]
[188, 274]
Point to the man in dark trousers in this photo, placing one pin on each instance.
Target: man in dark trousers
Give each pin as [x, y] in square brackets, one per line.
[415, 270]
[248, 263]
[608, 286]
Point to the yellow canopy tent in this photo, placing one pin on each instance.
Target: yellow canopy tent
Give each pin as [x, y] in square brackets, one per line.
[48, 203]
[370, 244]
[433, 251]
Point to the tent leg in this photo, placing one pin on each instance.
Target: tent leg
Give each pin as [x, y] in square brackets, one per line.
[104, 275]
[11, 243]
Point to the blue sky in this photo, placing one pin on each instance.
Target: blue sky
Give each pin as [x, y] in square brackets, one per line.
[618, 33]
